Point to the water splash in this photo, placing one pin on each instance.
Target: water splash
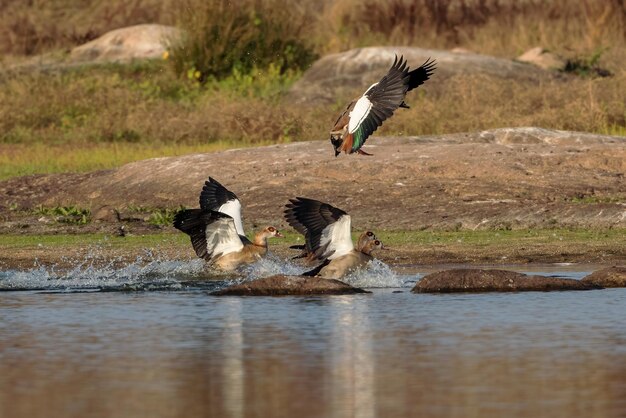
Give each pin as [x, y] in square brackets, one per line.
[376, 275]
[270, 266]
[145, 273]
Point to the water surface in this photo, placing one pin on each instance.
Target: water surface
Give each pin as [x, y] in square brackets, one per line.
[149, 341]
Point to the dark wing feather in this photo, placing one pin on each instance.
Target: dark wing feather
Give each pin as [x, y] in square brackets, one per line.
[193, 222]
[421, 74]
[310, 217]
[316, 270]
[385, 96]
[214, 195]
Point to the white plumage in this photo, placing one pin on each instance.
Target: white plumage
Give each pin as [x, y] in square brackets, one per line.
[338, 238]
[359, 113]
[222, 238]
[232, 208]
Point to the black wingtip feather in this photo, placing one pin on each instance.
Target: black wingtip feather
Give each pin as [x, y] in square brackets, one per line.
[316, 270]
[214, 195]
[193, 222]
[418, 76]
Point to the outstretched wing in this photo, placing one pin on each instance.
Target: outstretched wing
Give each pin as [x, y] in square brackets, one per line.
[378, 103]
[418, 76]
[325, 227]
[218, 198]
[212, 233]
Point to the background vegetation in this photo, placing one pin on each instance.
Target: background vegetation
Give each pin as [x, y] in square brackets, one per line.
[223, 86]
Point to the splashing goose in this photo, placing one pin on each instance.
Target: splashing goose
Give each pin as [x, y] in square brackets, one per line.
[327, 232]
[216, 229]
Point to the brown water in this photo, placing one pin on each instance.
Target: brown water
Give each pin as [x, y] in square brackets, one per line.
[167, 349]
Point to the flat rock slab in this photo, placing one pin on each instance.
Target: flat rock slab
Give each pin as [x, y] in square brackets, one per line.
[353, 71]
[280, 285]
[497, 179]
[478, 280]
[608, 277]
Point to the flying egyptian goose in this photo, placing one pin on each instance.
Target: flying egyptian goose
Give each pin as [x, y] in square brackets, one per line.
[327, 233]
[216, 229]
[365, 114]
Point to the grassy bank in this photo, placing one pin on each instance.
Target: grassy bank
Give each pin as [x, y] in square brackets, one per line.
[102, 116]
[405, 247]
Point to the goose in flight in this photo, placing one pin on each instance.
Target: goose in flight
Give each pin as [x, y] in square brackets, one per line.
[328, 238]
[216, 229]
[365, 114]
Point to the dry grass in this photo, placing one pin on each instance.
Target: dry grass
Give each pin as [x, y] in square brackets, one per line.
[103, 116]
[37, 26]
[256, 34]
[495, 27]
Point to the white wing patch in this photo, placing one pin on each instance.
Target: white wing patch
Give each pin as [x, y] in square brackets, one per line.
[359, 113]
[222, 238]
[337, 236]
[232, 208]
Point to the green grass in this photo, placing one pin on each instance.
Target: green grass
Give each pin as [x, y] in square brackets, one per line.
[500, 237]
[103, 116]
[390, 238]
[81, 240]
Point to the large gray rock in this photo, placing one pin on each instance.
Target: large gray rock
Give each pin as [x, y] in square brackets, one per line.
[608, 277]
[543, 58]
[350, 73]
[280, 285]
[502, 178]
[125, 44]
[478, 280]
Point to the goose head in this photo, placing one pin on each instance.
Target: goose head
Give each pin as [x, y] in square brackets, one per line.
[371, 246]
[271, 232]
[364, 238]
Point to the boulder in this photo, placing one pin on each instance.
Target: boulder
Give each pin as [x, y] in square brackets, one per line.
[500, 178]
[106, 213]
[350, 73]
[280, 285]
[125, 44]
[608, 277]
[543, 59]
[478, 280]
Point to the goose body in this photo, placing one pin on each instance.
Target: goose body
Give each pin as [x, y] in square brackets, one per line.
[327, 230]
[347, 263]
[365, 114]
[216, 229]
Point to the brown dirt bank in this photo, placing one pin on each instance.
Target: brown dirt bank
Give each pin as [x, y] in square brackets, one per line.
[499, 179]
[502, 179]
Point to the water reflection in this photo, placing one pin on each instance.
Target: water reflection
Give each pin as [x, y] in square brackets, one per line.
[182, 354]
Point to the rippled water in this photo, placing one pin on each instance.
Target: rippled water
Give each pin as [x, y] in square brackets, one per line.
[146, 340]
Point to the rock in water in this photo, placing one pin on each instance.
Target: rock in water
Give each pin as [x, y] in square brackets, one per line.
[477, 280]
[280, 285]
[608, 277]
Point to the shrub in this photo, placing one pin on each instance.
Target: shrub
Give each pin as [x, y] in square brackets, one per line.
[223, 37]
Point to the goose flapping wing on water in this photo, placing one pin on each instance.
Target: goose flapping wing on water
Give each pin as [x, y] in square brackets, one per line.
[218, 198]
[213, 234]
[327, 229]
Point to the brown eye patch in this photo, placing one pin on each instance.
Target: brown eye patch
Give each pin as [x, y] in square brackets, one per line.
[370, 233]
[271, 229]
[377, 242]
